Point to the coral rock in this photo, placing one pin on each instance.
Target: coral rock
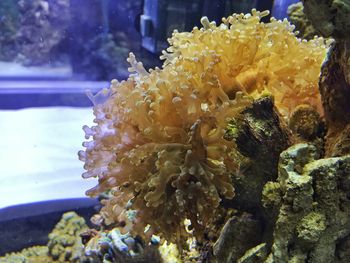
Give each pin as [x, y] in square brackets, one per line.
[302, 24]
[239, 234]
[335, 92]
[64, 241]
[314, 216]
[260, 135]
[255, 255]
[329, 18]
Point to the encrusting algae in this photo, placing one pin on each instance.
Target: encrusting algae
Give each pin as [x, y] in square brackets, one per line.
[159, 144]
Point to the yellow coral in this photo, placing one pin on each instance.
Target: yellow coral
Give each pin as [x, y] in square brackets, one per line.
[244, 54]
[159, 140]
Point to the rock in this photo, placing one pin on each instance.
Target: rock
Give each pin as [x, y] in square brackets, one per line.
[255, 255]
[239, 234]
[302, 24]
[306, 122]
[36, 254]
[335, 92]
[314, 215]
[64, 241]
[310, 228]
[329, 18]
[261, 135]
[271, 194]
[340, 144]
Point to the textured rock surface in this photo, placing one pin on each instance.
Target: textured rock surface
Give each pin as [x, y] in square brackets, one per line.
[331, 19]
[308, 126]
[306, 123]
[261, 135]
[255, 255]
[64, 241]
[309, 214]
[296, 198]
[335, 91]
[302, 24]
[239, 234]
[37, 254]
[313, 222]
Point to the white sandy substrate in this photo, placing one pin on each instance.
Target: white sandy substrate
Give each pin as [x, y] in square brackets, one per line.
[38, 154]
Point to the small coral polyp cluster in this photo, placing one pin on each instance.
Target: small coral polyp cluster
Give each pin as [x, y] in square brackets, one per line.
[159, 144]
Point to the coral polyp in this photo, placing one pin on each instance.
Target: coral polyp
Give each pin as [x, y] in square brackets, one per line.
[159, 142]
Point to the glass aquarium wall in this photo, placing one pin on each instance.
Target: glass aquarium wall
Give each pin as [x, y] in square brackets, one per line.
[34, 38]
[90, 39]
[67, 38]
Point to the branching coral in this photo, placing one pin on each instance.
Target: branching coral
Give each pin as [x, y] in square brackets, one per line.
[159, 140]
